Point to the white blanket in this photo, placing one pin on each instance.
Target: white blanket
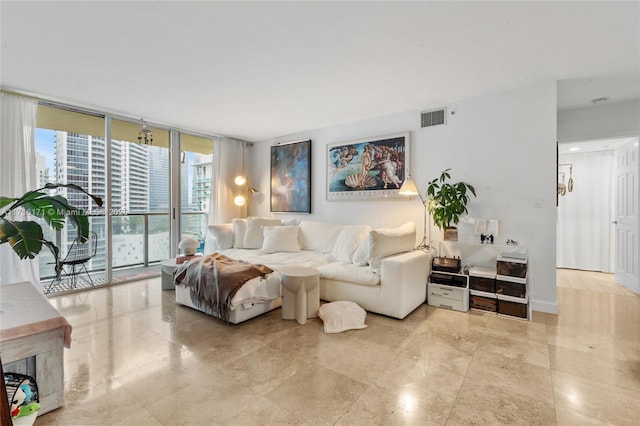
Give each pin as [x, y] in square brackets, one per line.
[257, 290]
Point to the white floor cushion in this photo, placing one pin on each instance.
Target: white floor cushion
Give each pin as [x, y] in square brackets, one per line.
[342, 316]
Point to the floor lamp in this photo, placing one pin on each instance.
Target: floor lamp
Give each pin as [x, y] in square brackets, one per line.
[409, 188]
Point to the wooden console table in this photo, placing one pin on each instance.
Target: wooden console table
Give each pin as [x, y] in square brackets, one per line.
[31, 327]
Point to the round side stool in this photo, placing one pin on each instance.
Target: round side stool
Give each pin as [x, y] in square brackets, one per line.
[300, 293]
[168, 267]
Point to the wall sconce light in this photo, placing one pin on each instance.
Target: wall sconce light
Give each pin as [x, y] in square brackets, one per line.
[239, 200]
[145, 135]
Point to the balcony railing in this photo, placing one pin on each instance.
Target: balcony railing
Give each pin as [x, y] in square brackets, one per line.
[139, 240]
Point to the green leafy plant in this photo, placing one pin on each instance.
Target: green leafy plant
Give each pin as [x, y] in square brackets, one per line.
[448, 201]
[25, 236]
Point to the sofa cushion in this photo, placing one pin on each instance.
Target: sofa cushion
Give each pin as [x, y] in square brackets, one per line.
[348, 241]
[361, 255]
[318, 236]
[223, 235]
[342, 316]
[239, 230]
[280, 238]
[253, 235]
[386, 242]
[348, 272]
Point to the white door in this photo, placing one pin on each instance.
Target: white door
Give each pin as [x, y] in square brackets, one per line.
[627, 194]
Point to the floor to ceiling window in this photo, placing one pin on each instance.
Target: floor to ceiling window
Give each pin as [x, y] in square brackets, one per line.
[71, 148]
[196, 170]
[139, 196]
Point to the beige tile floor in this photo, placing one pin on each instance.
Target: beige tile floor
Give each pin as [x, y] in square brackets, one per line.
[137, 358]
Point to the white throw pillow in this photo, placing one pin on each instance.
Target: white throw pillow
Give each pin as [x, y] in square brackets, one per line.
[223, 235]
[361, 255]
[239, 229]
[280, 238]
[253, 235]
[342, 316]
[318, 236]
[385, 242]
[348, 241]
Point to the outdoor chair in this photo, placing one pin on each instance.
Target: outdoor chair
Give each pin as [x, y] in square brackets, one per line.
[74, 263]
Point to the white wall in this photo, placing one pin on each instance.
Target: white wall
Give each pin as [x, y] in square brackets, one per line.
[503, 144]
[599, 122]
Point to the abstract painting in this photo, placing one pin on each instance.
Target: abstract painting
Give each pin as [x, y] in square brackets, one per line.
[291, 177]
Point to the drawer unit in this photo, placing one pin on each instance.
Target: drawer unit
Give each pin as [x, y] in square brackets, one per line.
[483, 284]
[482, 279]
[449, 297]
[483, 301]
[513, 306]
[447, 278]
[446, 264]
[510, 286]
[511, 267]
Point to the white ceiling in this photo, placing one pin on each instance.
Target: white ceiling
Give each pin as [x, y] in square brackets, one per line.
[261, 70]
[592, 145]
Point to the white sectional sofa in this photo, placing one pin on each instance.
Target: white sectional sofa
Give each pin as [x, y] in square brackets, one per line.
[376, 268]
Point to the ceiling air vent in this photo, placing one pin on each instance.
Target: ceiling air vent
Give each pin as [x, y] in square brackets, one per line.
[433, 118]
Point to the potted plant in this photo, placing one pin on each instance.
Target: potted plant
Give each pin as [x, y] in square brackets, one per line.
[447, 202]
[26, 236]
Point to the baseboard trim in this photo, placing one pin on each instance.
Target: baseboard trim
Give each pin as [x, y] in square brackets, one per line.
[635, 288]
[543, 306]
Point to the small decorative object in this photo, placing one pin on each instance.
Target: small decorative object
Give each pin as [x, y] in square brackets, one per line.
[563, 188]
[488, 229]
[189, 246]
[486, 239]
[367, 169]
[447, 202]
[291, 177]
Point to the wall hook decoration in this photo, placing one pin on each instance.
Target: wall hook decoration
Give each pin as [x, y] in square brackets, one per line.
[562, 187]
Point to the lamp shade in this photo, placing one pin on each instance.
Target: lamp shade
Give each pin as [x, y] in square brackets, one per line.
[408, 187]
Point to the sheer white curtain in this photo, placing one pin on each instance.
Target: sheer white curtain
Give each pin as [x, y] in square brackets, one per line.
[585, 233]
[17, 174]
[228, 162]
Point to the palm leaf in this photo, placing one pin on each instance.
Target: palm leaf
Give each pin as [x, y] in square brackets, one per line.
[5, 201]
[95, 198]
[24, 237]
